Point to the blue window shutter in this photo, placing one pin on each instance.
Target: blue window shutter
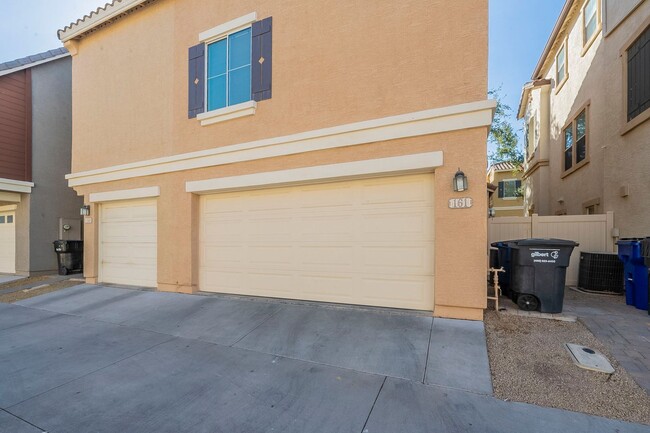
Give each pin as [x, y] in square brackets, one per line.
[196, 81]
[500, 189]
[261, 59]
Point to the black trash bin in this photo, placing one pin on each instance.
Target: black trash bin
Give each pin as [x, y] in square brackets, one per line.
[504, 255]
[70, 256]
[539, 273]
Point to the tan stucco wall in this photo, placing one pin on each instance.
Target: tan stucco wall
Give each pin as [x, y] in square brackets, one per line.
[384, 60]
[615, 160]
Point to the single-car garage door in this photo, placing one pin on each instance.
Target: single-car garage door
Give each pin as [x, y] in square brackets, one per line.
[128, 243]
[7, 242]
[367, 242]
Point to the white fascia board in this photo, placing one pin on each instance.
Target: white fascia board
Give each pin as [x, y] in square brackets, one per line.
[124, 194]
[97, 17]
[433, 121]
[11, 185]
[229, 27]
[31, 65]
[414, 163]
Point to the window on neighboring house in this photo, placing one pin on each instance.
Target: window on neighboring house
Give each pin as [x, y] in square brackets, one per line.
[575, 141]
[531, 138]
[591, 20]
[509, 189]
[638, 76]
[230, 70]
[560, 65]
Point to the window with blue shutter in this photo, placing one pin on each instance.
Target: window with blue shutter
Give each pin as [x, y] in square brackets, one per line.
[231, 70]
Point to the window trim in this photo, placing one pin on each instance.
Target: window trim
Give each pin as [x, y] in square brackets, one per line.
[587, 43]
[627, 126]
[571, 123]
[559, 85]
[222, 31]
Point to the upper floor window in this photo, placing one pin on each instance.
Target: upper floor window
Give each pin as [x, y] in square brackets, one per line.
[509, 189]
[590, 20]
[560, 66]
[229, 70]
[638, 76]
[575, 141]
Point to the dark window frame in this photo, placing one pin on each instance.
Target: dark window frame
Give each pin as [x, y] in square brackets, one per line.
[579, 149]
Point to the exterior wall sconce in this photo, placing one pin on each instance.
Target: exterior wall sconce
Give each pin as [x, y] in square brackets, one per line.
[460, 181]
[85, 210]
[491, 213]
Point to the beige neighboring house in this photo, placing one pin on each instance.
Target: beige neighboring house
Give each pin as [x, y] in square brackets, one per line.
[506, 198]
[586, 113]
[285, 148]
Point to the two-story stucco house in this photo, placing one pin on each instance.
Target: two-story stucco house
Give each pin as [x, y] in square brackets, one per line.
[506, 198]
[586, 112]
[35, 145]
[290, 149]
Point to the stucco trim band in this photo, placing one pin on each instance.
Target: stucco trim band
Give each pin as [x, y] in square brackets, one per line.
[433, 121]
[124, 194]
[8, 208]
[414, 163]
[11, 185]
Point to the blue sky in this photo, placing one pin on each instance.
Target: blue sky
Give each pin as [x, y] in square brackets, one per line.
[518, 31]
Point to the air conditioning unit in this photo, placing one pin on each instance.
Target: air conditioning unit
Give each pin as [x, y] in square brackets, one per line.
[601, 272]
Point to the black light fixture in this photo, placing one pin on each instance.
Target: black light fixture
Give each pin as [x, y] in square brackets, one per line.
[460, 181]
[85, 210]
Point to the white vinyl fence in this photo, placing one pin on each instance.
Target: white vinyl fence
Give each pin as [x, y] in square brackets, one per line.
[592, 232]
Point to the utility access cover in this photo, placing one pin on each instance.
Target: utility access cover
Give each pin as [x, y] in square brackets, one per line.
[584, 357]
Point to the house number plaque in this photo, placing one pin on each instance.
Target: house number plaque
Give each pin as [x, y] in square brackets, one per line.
[460, 203]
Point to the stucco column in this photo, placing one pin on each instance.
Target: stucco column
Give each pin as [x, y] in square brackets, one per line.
[460, 273]
[91, 243]
[178, 221]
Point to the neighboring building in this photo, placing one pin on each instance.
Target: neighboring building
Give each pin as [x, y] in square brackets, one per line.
[285, 149]
[35, 142]
[586, 114]
[506, 199]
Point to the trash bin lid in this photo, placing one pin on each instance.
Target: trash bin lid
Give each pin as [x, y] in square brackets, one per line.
[546, 242]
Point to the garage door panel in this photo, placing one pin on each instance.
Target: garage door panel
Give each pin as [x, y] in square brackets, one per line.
[128, 243]
[7, 242]
[365, 242]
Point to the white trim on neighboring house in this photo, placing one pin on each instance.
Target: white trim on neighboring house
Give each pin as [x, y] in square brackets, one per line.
[433, 121]
[413, 163]
[124, 194]
[11, 185]
[31, 65]
[230, 27]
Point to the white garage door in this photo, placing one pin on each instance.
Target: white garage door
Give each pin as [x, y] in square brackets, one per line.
[128, 243]
[367, 242]
[7, 242]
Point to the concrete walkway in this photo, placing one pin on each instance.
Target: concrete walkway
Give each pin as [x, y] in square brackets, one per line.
[624, 329]
[107, 359]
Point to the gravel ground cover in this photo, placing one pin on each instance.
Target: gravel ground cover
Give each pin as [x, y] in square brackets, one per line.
[30, 293]
[529, 363]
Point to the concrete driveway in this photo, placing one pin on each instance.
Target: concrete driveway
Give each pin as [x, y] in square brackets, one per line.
[106, 359]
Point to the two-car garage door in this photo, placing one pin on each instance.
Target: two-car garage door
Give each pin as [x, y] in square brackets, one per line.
[366, 242]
